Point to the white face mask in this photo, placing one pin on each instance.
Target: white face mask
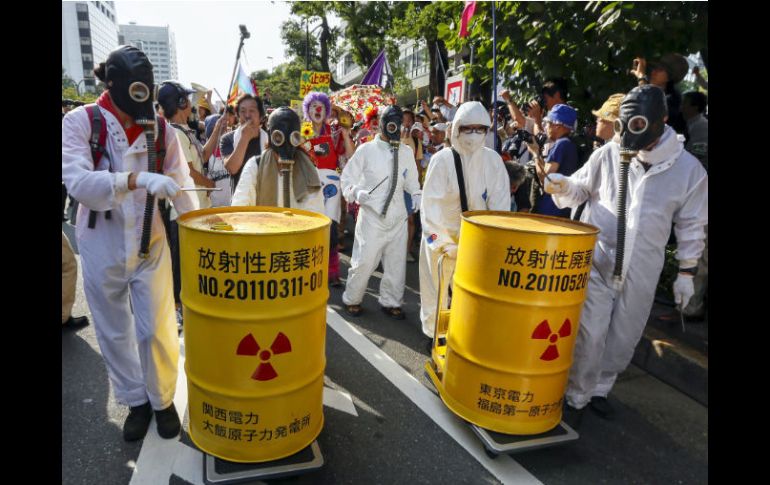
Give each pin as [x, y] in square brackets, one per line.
[470, 142]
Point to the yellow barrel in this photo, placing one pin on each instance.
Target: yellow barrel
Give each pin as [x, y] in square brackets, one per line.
[254, 290]
[519, 287]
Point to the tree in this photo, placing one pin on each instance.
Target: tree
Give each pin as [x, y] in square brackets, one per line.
[294, 34]
[66, 81]
[69, 89]
[419, 22]
[283, 82]
[590, 44]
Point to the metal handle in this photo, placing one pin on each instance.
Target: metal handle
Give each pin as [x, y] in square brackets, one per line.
[440, 265]
[191, 189]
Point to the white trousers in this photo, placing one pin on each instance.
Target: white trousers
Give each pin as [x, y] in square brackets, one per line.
[429, 285]
[141, 351]
[611, 325]
[374, 241]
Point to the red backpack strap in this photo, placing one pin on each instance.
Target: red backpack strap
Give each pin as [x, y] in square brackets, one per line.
[98, 142]
[98, 139]
[160, 143]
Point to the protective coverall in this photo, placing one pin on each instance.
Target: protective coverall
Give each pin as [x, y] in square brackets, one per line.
[487, 188]
[379, 237]
[675, 188]
[246, 191]
[140, 350]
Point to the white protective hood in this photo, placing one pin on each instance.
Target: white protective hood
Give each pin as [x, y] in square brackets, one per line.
[469, 113]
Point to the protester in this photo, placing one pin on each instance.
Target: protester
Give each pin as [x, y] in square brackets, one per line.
[665, 72]
[325, 155]
[69, 277]
[261, 182]
[516, 175]
[667, 184]
[138, 341]
[485, 185]
[375, 178]
[606, 116]
[248, 140]
[562, 156]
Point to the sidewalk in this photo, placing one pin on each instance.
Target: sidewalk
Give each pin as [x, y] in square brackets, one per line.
[677, 358]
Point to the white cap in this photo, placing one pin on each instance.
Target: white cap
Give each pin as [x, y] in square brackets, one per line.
[439, 127]
[416, 126]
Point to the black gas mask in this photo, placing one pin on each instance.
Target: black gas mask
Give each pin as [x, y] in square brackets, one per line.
[128, 74]
[642, 114]
[283, 127]
[390, 123]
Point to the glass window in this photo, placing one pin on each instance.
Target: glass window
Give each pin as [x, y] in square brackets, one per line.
[83, 24]
[81, 7]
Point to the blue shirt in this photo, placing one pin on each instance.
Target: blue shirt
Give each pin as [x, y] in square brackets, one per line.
[563, 152]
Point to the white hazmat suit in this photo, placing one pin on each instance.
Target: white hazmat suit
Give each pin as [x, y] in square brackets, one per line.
[674, 189]
[486, 187]
[246, 192]
[379, 237]
[140, 350]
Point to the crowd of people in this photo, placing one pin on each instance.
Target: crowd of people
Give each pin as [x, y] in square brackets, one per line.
[405, 176]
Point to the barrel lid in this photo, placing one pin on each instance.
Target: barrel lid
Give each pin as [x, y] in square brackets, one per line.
[240, 220]
[532, 223]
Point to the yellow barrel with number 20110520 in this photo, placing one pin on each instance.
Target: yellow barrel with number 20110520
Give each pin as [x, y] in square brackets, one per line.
[518, 290]
[254, 292]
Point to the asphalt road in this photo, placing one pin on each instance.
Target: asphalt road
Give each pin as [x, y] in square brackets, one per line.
[383, 421]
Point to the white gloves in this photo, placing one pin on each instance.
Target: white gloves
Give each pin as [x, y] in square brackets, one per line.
[159, 185]
[451, 251]
[363, 196]
[416, 200]
[556, 183]
[683, 290]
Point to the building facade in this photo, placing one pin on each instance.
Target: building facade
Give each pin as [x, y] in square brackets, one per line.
[159, 45]
[89, 33]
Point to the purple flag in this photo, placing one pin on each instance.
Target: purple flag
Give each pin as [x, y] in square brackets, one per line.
[379, 72]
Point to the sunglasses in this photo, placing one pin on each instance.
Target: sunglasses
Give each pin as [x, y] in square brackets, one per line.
[470, 129]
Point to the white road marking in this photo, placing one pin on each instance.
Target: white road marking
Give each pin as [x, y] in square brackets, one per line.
[504, 468]
[160, 457]
[339, 400]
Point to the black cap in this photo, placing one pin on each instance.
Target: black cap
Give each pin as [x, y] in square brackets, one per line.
[170, 94]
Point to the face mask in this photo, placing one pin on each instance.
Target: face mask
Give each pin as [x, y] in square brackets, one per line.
[641, 117]
[283, 127]
[470, 142]
[390, 123]
[129, 77]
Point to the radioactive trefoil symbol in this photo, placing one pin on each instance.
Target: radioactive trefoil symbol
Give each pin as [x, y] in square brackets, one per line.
[264, 371]
[543, 331]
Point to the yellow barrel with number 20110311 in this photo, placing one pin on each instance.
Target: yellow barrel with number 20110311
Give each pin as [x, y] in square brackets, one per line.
[254, 292]
[518, 290]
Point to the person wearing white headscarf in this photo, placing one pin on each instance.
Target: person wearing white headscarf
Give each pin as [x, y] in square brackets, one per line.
[486, 188]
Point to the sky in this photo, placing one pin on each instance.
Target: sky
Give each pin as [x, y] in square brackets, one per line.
[207, 35]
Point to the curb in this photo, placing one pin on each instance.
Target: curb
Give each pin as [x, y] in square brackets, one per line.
[674, 363]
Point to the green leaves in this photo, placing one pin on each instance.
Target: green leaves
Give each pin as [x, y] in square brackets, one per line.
[592, 44]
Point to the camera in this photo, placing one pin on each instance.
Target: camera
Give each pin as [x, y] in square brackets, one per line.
[244, 33]
[525, 136]
[541, 101]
